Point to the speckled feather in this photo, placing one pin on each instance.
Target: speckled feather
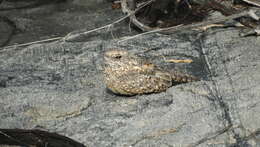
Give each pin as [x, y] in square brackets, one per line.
[128, 74]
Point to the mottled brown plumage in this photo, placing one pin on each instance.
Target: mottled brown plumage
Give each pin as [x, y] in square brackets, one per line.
[128, 74]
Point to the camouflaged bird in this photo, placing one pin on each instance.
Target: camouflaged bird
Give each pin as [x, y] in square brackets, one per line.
[128, 74]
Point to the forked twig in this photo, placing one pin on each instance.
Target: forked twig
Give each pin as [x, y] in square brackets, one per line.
[133, 19]
[173, 29]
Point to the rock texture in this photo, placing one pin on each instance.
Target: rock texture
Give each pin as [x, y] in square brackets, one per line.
[58, 87]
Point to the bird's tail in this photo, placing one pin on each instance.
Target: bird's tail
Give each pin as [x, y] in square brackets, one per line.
[179, 77]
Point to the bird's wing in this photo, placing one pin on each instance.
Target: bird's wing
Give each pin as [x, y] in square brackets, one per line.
[141, 83]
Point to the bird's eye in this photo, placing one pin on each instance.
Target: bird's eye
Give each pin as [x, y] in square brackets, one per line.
[118, 56]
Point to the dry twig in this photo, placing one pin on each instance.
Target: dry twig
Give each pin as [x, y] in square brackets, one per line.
[253, 2]
[173, 29]
[179, 61]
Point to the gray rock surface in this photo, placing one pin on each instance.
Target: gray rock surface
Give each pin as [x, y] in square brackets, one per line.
[58, 87]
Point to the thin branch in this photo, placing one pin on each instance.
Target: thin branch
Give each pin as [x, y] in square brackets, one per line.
[71, 36]
[253, 2]
[30, 43]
